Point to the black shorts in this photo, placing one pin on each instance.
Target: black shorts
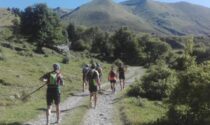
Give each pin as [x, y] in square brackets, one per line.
[93, 89]
[53, 95]
[113, 81]
[122, 76]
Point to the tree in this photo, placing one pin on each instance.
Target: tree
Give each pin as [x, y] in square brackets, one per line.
[190, 99]
[125, 45]
[42, 26]
[154, 48]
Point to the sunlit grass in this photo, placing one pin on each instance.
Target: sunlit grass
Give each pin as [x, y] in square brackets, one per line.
[19, 75]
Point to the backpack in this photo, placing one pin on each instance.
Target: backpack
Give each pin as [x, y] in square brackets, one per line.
[91, 77]
[54, 79]
[85, 70]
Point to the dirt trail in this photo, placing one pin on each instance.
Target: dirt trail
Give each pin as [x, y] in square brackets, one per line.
[102, 115]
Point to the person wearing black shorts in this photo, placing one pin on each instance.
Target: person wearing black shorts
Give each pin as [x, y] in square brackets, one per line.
[94, 83]
[53, 80]
[121, 72]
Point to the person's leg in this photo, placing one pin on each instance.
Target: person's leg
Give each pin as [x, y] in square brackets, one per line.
[120, 84]
[58, 112]
[114, 86]
[95, 99]
[111, 84]
[49, 106]
[91, 95]
[57, 104]
[123, 83]
[48, 112]
[83, 83]
[83, 86]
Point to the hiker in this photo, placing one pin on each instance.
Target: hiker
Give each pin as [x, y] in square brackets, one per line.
[112, 77]
[121, 71]
[84, 76]
[54, 80]
[94, 83]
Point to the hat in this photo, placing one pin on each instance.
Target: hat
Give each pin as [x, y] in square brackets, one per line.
[56, 66]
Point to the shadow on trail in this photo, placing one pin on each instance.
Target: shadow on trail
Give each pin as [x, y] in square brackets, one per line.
[117, 99]
[62, 111]
[42, 109]
[81, 95]
[71, 109]
[14, 123]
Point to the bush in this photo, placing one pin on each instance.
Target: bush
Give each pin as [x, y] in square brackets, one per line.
[118, 62]
[157, 83]
[190, 99]
[66, 59]
[80, 45]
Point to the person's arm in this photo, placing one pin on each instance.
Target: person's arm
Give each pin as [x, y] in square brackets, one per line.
[44, 78]
[98, 80]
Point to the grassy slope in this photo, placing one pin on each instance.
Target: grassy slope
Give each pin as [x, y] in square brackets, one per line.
[107, 15]
[20, 75]
[138, 111]
[6, 18]
[176, 18]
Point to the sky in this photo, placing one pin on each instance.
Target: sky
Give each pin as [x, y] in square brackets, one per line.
[71, 4]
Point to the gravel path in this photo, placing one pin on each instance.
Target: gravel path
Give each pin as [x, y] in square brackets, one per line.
[102, 115]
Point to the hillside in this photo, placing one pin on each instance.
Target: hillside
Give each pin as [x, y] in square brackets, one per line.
[60, 11]
[175, 18]
[6, 18]
[107, 15]
[143, 15]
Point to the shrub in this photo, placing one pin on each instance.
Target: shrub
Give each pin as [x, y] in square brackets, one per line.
[190, 99]
[157, 83]
[66, 59]
[118, 62]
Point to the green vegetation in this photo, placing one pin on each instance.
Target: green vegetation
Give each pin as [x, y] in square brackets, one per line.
[45, 28]
[144, 16]
[139, 111]
[105, 14]
[158, 83]
[174, 90]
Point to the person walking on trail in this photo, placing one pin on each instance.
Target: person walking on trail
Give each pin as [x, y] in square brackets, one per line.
[85, 70]
[94, 83]
[121, 71]
[54, 80]
[112, 77]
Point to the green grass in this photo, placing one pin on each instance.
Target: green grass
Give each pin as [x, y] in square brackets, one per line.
[20, 76]
[6, 18]
[139, 111]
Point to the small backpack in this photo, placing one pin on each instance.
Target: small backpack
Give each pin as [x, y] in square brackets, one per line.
[55, 79]
[91, 77]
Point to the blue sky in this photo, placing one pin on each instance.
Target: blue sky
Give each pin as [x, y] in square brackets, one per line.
[75, 3]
